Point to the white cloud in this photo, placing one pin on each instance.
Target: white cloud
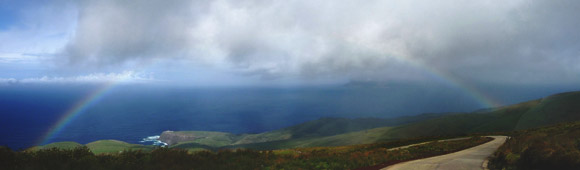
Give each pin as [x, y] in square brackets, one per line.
[39, 27]
[122, 77]
[336, 38]
[482, 41]
[18, 58]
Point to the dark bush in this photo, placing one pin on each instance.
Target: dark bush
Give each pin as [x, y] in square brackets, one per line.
[554, 147]
[343, 157]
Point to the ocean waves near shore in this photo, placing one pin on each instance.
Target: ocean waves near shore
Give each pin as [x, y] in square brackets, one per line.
[153, 140]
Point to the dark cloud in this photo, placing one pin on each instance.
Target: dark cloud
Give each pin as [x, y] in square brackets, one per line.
[486, 41]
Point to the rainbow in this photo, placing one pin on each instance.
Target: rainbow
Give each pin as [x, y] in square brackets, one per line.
[97, 94]
[475, 93]
[484, 100]
[76, 110]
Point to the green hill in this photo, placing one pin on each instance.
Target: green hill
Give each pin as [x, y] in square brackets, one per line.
[202, 137]
[97, 147]
[359, 137]
[564, 107]
[115, 146]
[548, 147]
[60, 145]
[497, 120]
[553, 109]
[335, 126]
[317, 128]
[304, 134]
[558, 108]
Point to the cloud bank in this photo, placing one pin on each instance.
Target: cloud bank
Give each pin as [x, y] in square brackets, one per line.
[484, 41]
[123, 77]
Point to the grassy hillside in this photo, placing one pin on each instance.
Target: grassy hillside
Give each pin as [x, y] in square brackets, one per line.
[342, 157]
[97, 147]
[558, 108]
[59, 145]
[318, 128]
[335, 126]
[564, 107]
[209, 138]
[552, 147]
[321, 132]
[496, 120]
[352, 138]
[115, 146]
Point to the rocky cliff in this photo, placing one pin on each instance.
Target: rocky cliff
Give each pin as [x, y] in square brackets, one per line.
[171, 137]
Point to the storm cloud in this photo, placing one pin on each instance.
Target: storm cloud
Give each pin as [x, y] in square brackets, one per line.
[485, 41]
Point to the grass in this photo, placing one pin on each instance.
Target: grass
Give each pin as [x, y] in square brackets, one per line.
[59, 145]
[352, 138]
[341, 157]
[324, 131]
[342, 131]
[192, 146]
[264, 137]
[535, 113]
[498, 120]
[213, 139]
[334, 143]
[551, 147]
[115, 146]
[553, 109]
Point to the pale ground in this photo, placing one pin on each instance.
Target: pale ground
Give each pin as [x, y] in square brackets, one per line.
[472, 158]
[403, 147]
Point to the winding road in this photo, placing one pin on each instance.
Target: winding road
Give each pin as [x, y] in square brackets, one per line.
[472, 158]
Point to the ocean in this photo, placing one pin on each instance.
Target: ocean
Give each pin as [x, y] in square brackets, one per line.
[131, 113]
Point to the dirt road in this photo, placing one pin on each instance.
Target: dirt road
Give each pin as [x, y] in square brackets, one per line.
[471, 158]
[444, 140]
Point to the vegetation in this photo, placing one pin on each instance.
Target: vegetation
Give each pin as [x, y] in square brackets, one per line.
[535, 113]
[115, 146]
[553, 109]
[209, 138]
[60, 145]
[302, 135]
[335, 126]
[96, 147]
[497, 120]
[553, 147]
[337, 143]
[352, 138]
[343, 157]
[341, 131]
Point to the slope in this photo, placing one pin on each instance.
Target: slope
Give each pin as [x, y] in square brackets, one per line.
[323, 127]
[564, 107]
[59, 145]
[553, 109]
[115, 146]
[557, 108]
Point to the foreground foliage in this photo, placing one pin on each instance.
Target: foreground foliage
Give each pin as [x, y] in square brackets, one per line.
[343, 157]
[554, 147]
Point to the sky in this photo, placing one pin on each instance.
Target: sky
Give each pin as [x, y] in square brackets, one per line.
[487, 43]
